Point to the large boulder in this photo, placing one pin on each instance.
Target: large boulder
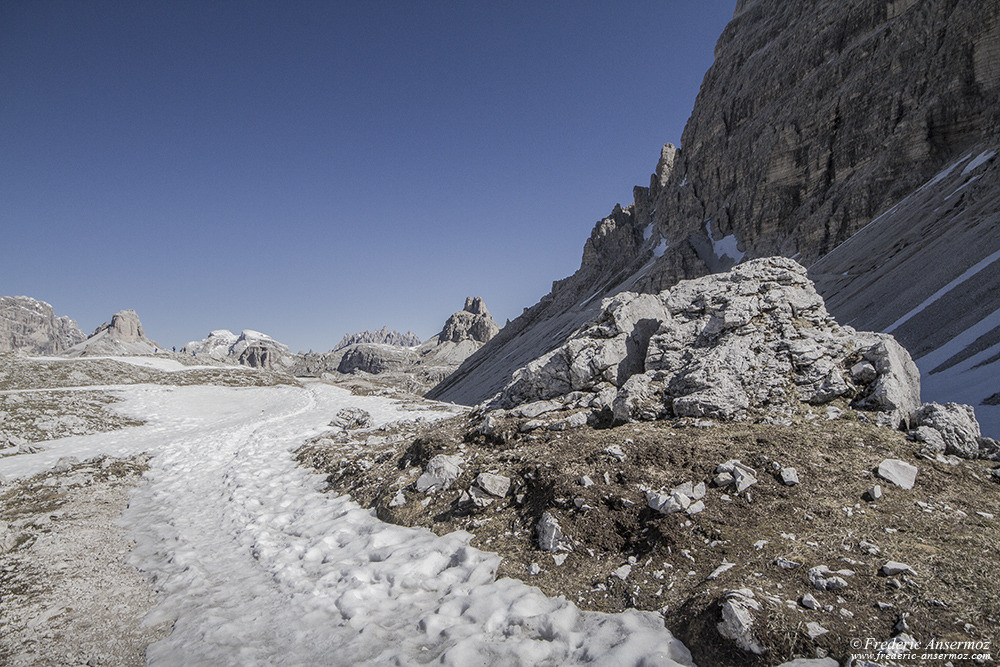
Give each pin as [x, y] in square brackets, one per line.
[956, 424]
[756, 341]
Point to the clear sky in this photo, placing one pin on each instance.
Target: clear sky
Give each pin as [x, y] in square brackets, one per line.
[307, 169]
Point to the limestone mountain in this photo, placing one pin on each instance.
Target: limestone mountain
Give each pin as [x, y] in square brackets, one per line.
[422, 367]
[250, 348]
[32, 326]
[123, 335]
[856, 137]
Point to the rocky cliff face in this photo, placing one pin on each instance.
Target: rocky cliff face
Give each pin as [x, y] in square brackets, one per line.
[32, 326]
[816, 118]
[472, 323]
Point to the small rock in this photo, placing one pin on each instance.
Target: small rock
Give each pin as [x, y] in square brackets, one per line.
[585, 481]
[441, 471]
[722, 479]
[617, 452]
[550, 535]
[687, 488]
[873, 494]
[398, 500]
[737, 624]
[534, 569]
[846, 613]
[810, 602]
[623, 572]
[789, 477]
[786, 564]
[898, 472]
[496, 485]
[65, 463]
[901, 624]
[868, 548]
[725, 567]
[532, 425]
[814, 630]
[559, 559]
[892, 568]
[696, 507]
[699, 491]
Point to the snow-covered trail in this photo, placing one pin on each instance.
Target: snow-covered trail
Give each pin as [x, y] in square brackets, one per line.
[256, 566]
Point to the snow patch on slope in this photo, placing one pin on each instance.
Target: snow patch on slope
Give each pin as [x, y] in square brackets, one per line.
[944, 290]
[966, 382]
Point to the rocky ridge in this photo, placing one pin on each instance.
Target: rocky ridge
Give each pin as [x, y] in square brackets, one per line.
[755, 341]
[31, 326]
[383, 336]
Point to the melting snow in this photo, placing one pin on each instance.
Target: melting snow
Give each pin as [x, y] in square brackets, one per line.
[944, 290]
[660, 248]
[724, 247]
[256, 566]
[963, 382]
[979, 159]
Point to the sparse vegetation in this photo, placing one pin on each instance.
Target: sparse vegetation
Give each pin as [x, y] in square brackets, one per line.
[944, 528]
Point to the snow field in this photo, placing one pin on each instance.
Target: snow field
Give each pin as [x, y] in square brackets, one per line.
[256, 566]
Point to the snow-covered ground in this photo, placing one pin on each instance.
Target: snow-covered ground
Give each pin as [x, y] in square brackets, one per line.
[257, 566]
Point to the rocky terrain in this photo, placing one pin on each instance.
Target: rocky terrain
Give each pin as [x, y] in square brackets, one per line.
[32, 326]
[66, 594]
[726, 453]
[816, 119]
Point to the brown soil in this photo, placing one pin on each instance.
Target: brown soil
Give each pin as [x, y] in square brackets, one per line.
[936, 528]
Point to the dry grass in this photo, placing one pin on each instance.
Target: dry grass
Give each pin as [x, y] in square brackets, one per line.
[953, 550]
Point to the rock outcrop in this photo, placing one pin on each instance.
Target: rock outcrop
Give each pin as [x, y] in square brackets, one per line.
[817, 120]
[251, 348]
[31, 326]
[472, 323]
[375, 359]
[383, 336]
[123, 335]
[755, 342]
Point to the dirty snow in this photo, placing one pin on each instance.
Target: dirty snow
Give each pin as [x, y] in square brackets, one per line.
[256, 566]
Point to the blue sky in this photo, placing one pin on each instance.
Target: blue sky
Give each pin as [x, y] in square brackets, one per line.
[312, 168]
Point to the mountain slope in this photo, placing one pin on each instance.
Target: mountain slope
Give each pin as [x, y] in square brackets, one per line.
[816, 118]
